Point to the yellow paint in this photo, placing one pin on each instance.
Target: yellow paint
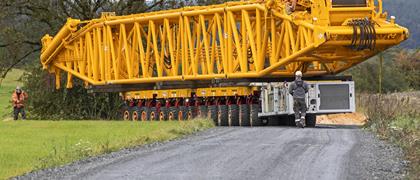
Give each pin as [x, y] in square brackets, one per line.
[187, 93]
[233, 40]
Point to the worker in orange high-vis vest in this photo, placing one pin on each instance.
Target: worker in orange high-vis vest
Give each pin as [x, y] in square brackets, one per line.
[18, 101]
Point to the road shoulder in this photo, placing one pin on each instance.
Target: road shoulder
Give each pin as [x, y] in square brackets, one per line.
[372, 158]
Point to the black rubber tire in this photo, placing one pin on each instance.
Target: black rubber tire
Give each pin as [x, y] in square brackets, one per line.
[255, 121]
[292, 120]
[126, 113]
[212, 113]
[244, 115]
[285, 120]
[163, 114]
[182, 113]
[192, 112]
[202, 112]
[233, 115]
[265, 121]
[145, 114]
[173, 114]
[154, 114]
[310, 120]
[273, 121]
[222, 117]
[135, 113]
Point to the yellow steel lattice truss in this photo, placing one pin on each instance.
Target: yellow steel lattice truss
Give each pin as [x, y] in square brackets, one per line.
[251, 39]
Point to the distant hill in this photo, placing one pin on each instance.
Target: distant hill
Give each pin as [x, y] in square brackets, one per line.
[407, 14]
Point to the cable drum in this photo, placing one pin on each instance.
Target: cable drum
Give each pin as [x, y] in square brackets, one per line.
[367, 37]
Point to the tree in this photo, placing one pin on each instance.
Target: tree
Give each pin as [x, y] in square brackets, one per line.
[401, 72]
[26, 21]
[409, 63]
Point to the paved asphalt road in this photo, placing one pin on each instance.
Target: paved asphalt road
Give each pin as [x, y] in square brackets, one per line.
[326, 152]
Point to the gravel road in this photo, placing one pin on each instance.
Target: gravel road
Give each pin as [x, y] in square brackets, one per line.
[325, 152]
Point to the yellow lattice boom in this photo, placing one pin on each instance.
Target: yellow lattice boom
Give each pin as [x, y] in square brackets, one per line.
[247, 39]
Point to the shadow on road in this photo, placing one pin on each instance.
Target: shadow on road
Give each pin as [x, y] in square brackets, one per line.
[337, 126]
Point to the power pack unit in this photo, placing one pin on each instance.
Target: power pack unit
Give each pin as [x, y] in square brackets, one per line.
[323, 97]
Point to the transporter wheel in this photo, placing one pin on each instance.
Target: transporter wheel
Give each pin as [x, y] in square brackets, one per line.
[286, 120]
[233, 115]
[145, 113]
[254, 108]
[173, 113]
[154, 115]
[202, 112]
[136, 113]
[126, 113]
[192, 112]
[182, 113]
[163, 114]
[265, 121]
[291, 120]
[212, 113]
[189, 115]
[222, 117]
[244, 115]
[310, 120]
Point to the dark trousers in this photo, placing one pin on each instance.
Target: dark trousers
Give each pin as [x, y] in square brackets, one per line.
[299, 106]
[16, 112]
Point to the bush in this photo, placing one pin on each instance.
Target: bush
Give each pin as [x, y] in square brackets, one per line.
[46, 102]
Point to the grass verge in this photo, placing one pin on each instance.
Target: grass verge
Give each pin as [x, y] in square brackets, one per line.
[32, 145]
[395, 117]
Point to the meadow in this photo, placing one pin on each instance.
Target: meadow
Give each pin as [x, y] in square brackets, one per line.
[26, 146]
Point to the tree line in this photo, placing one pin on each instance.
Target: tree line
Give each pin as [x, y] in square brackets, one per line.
[400, 72]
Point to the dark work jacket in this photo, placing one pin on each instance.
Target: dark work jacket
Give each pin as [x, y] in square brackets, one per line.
[298, 89]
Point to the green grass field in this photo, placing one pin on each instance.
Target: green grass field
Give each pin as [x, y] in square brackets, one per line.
[26, 146]
[30, 145]
[6, 89]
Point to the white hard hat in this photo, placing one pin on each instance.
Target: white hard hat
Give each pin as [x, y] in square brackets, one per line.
[18, 88]
[299, 73]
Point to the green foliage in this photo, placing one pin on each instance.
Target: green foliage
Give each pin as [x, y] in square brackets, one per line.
[31, 145]
[409, 63]
[401, 72]
[46, 102]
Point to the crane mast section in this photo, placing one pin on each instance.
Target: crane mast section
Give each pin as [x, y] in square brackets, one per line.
[235, 40]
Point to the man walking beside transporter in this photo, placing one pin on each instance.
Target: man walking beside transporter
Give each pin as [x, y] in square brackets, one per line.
[298, 90]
